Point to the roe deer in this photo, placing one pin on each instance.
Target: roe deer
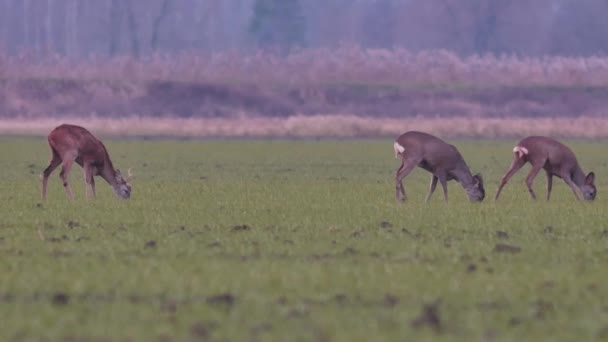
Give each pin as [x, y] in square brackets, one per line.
[71, 144]
[557, 160]
[439, 158]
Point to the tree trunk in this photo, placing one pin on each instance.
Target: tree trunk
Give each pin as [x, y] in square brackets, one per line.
[115, 25]
[26, 24]
[48, 27]
[132, 28]
[164, 10]
[71, 28]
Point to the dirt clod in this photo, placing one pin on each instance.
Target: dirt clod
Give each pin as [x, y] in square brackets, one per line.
[60, 298]
[391, 300]
[505, 248]
[169, 306]
[515, 321]
[502, 234]
[357, 234]
[6, 297]
[429, 317]
[603, 333]
[341, 298]
[386, 224]
[150, 244]
[543, 308]
[199, 329]
[224, 298]
[350, 251]
[241, 227]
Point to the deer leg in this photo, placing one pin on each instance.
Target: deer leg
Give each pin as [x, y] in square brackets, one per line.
[55, 161]
[549, 184]
[530, 178]
[65, 171]
[406, 167]
[431, 188]
[568, 179]
[444, 184]
[516, 164]
[89, 181]
[398, 184]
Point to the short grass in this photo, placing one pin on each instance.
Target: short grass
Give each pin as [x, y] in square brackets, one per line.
[296, 241]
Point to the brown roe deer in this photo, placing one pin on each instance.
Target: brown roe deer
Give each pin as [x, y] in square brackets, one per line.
[71, 144]
[557, 160]
[439, 158]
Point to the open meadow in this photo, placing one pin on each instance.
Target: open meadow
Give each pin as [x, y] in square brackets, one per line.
[297, 240]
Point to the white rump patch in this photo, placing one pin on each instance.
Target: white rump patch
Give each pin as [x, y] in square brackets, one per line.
[398, 149]
[520, 151]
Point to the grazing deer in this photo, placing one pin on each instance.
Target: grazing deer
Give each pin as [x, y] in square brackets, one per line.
[439, 158]
[557, 160]
[71, 144]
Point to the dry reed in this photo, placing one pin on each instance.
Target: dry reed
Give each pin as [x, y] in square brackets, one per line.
[310, 66]
[341, 126]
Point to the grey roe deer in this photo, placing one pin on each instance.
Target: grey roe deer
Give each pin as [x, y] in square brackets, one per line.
[557, 160]
[69, 144]
[439, 158]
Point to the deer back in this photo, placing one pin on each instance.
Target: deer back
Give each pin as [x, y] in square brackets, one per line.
[551, 150]
[79, 142]
[435, 152]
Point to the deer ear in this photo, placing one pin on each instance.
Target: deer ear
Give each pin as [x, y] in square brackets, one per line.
[590, 179]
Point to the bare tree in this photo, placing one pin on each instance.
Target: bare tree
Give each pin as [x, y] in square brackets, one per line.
[115, 21]
[72, 28]
[477, 19]
[76, 27]
[26, 22]
[132, 24]
[580, 28]
[48, 26]
[162, 14]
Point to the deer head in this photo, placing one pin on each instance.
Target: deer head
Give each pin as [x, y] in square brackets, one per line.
[476, 191]
[122, 187]
[588, 188]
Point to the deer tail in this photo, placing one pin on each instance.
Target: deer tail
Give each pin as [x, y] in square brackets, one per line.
[398, 149]
[520, 151]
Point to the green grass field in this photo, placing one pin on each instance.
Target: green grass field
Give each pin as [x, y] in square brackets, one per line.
[280, 240]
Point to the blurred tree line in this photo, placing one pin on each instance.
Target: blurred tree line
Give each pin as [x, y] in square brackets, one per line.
[84, 28]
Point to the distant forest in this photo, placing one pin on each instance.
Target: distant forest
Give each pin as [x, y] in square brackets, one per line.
[281, 58]
[77, 28]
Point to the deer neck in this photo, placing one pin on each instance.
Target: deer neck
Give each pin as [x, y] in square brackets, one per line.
[578, 176]
[463, 175]
[109, 174]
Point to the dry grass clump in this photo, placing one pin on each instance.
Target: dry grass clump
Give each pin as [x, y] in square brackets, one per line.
[321, 65]
[375, 89]
[341, 126]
